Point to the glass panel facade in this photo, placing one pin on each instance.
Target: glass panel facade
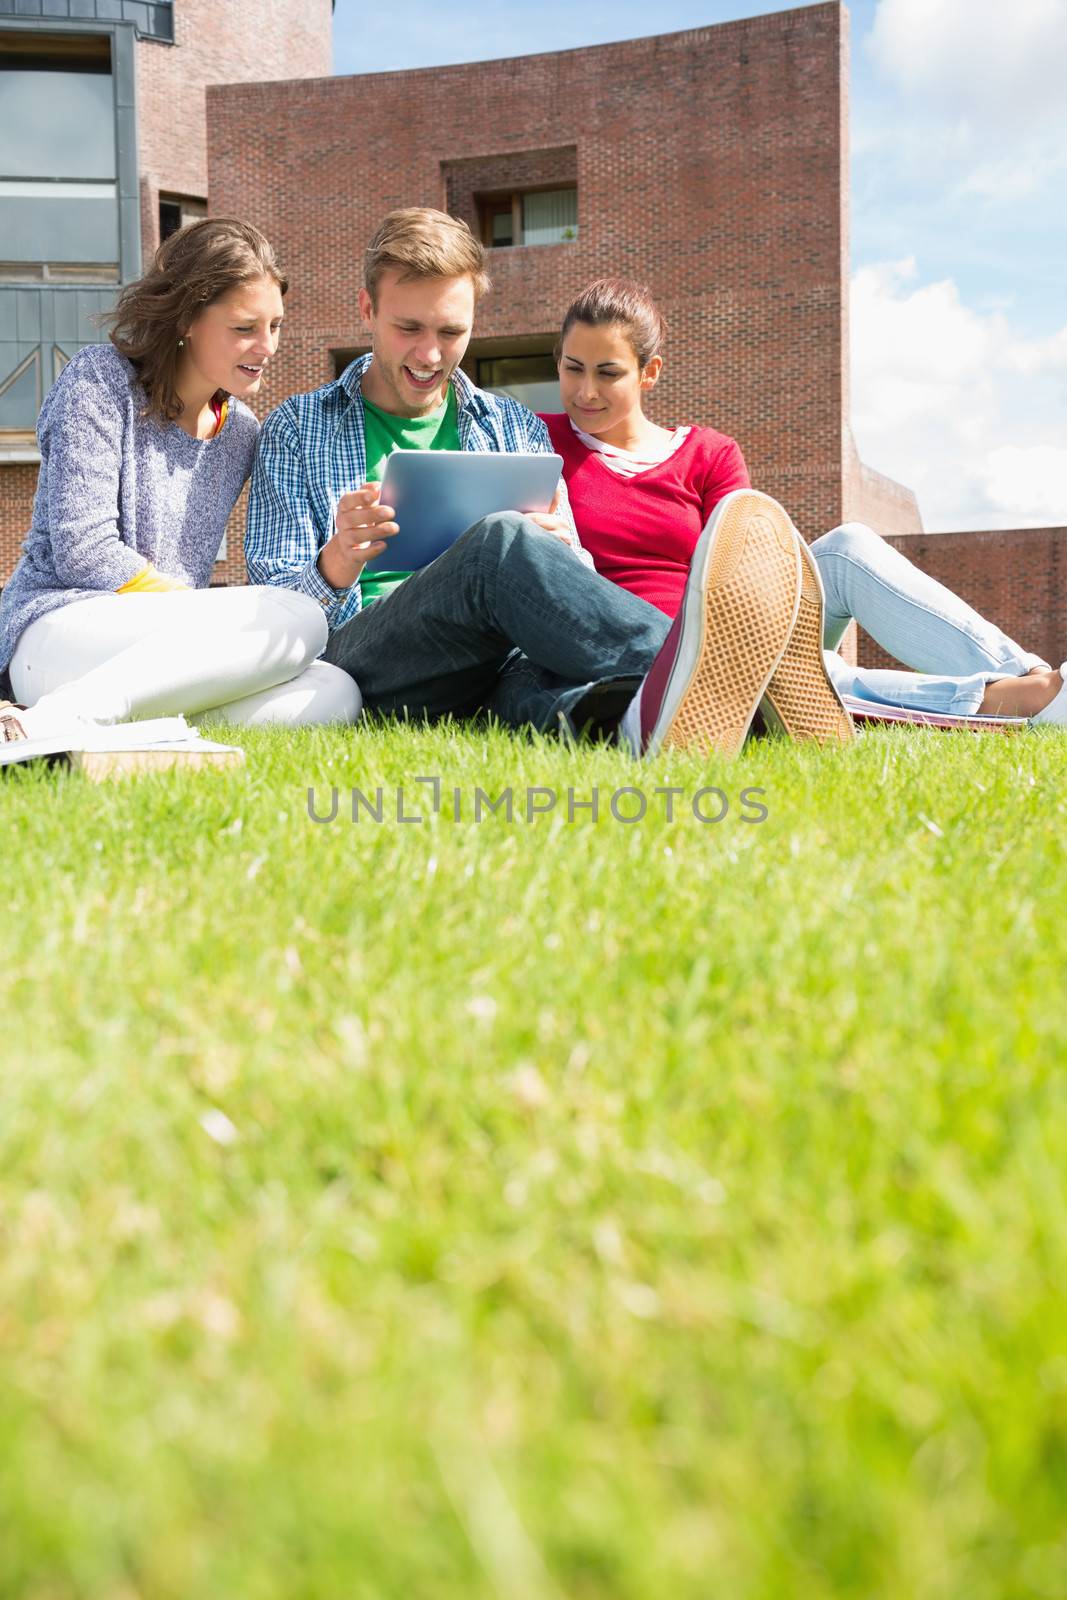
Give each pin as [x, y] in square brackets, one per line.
[69, 191]
[58, 191]
[38, 227]
[502, 227]
[550, 217]
[56, 124]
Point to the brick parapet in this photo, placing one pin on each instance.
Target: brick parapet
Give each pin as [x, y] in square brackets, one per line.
[885, 505]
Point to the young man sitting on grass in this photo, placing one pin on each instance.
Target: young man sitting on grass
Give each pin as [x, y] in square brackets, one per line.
[511, 620]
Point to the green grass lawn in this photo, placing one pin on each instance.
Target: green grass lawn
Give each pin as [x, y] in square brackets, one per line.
[536, 1209]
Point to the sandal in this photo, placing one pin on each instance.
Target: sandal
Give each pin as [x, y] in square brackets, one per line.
[10, 726]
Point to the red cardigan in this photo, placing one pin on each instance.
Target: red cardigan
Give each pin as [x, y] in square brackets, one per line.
[641, 531]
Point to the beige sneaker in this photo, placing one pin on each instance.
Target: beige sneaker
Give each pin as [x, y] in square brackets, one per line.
[801, 699]
[736, 618]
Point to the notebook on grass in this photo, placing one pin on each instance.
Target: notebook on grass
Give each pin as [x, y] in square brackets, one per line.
[869, 712]
[157, 745]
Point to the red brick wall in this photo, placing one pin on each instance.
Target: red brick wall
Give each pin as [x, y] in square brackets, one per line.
[710, 163]
[216, 42]
[1015, 577]
[18, 483]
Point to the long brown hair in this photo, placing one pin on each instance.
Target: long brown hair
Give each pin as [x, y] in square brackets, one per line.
[618, 302]
[193, 268]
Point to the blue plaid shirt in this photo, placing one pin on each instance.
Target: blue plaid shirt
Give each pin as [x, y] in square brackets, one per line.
[313, 449]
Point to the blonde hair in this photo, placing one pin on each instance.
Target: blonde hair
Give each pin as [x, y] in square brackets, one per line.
[423, 243]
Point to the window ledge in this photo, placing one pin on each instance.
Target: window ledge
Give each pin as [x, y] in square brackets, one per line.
[549, 244]
[12, 454]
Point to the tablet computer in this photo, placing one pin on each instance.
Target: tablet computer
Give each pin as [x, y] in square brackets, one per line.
[438, 494]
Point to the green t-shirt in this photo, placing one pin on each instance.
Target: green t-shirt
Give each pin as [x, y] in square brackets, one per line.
[386, 433]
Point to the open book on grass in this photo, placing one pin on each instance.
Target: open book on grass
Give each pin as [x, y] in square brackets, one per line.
[102, 752]
[868, 711]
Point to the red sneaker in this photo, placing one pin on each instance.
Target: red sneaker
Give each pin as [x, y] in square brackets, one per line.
[731, 631]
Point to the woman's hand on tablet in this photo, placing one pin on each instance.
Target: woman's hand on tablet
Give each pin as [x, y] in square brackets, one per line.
[362, 528]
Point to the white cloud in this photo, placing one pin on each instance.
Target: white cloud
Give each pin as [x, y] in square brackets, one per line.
[982, 94]
[994, 60]
[954, 402]
[1029, 480]
[1036, 163]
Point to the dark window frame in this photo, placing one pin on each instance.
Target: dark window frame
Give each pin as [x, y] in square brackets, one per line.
[491, 202]
[181, 209]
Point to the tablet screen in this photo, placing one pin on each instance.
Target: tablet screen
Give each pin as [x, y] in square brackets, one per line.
[438, 494]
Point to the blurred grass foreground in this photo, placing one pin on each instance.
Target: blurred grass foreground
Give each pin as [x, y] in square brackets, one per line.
[545, 1205]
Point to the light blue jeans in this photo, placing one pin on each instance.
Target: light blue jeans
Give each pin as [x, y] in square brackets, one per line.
[954, 652]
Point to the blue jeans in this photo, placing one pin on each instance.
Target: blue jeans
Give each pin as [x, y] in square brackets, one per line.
[507, 621]
[953, 650]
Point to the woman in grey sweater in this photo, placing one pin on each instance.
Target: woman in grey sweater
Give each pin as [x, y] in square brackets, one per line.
[146, 444]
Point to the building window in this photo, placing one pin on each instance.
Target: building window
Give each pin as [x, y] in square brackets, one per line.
[528, 374]
[59, 207]
[532, 379]
[539, 216]
[177, 211]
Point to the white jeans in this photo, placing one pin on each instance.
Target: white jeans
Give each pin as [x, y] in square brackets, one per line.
[243, 654]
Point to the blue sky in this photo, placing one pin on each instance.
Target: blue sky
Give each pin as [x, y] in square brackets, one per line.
[958, 220]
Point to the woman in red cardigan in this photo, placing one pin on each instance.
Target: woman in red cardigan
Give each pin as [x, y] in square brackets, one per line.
[641, 495]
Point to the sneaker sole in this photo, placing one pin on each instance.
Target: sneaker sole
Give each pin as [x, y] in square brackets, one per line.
[801, 700]
[738, 616]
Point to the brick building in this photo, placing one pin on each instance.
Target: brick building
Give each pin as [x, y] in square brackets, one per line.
[712, 163]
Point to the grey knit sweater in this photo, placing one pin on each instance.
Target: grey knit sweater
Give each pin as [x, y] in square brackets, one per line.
[118, 490]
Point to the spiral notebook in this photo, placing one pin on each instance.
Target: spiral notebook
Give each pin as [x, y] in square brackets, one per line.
[868, 712]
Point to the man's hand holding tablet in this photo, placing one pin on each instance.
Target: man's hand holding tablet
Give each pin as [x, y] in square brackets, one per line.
[436, 495]
[362, 528]
[438, 509]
